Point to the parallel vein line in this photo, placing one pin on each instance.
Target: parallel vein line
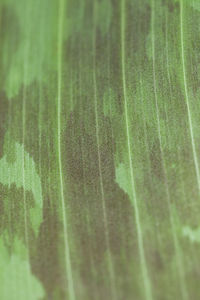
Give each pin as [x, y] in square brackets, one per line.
[196, 163]
[146, 279]
[110, 260]
[172, 223]
[71, 291]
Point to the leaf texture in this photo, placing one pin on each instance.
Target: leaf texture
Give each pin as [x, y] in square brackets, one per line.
[99, 149]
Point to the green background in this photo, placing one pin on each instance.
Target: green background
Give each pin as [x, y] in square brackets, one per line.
[99, 149]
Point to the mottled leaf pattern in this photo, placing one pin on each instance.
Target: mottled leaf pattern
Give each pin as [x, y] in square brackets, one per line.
[99, 149]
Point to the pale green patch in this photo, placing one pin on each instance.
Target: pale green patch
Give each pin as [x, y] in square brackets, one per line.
[192, 234]
[34, 41]
[22, 172]
[194, 3]
[123, 179]
[16, 279]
